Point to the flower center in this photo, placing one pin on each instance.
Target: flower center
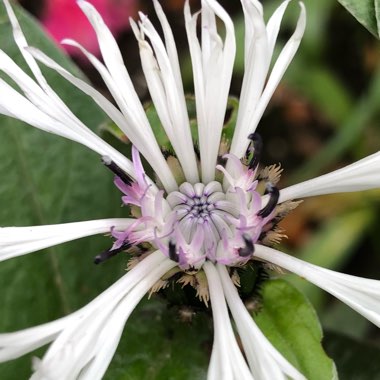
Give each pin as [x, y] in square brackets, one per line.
[220, 221]
[199, 206]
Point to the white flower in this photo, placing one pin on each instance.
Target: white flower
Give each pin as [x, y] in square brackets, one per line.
[216, 219]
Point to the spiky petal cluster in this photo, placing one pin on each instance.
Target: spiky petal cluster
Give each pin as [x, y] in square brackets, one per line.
[196, 222]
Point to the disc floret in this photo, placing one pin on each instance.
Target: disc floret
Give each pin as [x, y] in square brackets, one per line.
[219, 221]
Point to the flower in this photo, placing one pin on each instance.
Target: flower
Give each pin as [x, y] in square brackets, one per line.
[196, 230]
[63, 18]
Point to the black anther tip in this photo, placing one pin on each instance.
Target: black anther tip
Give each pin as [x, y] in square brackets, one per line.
[111, 165]
[172, 251]
[274, 195]
[248, 249]
[105, 255]
[257, 145]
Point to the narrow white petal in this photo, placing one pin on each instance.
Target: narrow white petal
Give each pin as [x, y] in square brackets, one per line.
[17, 241]
[257, 61]
[274, 23]
[74, 326]
[15, 344]
[17, 106]
[115, 76]
[359, 176]
[113, 60]
[167, 94]
[101, 100]
[111, 333]
[265, 361]
[123, 88]
[22, 44]
[153, 154]
[44, 109]
[361, 294]
[252, 114]
[226, 352]
[212, 64]
[90, 342]
[170, 45]
[173, 116]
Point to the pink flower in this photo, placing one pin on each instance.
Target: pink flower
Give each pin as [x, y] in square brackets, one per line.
[64, 19]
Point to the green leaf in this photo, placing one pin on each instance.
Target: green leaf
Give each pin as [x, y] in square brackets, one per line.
[366, 12]
[290, 323]
[332, 246]
[354, 359]
[348, 134]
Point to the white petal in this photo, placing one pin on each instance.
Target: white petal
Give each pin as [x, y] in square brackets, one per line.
[280, 67]
[17, 241]
[252, 112]
[17, 106]
[273, 25]
[113, 60]
[44, 109]
[212, 70]
[359, 176]
[257, 61]
[361, 294]
[120, 85]
[265, 361]
[226, 358]
[15, 344]
[110, 336]
[94, 336]
[152, 152]
[101, 100]
[22, 44]
[89, 335]
[163, 78]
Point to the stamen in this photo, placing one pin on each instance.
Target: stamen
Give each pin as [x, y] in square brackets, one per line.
[257, 145]
[274, 195]
[249, 248]
[110, 253]
[172, 252]
[117, 170]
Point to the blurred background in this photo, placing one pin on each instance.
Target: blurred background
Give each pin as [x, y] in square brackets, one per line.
[325, 114]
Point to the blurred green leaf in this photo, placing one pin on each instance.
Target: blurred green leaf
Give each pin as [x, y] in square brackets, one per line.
[355, 122]
[332, 246]
[158, 130]
[290, 323]
[324, 90]
[340, 318]
[355, 360]
[366, 12]
[110, 127]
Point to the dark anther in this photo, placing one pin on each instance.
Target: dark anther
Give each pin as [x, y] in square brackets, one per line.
[274, 194]
[257, 145]
[249, 247]
[110, 253]
[117, 170]
[172, 252]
